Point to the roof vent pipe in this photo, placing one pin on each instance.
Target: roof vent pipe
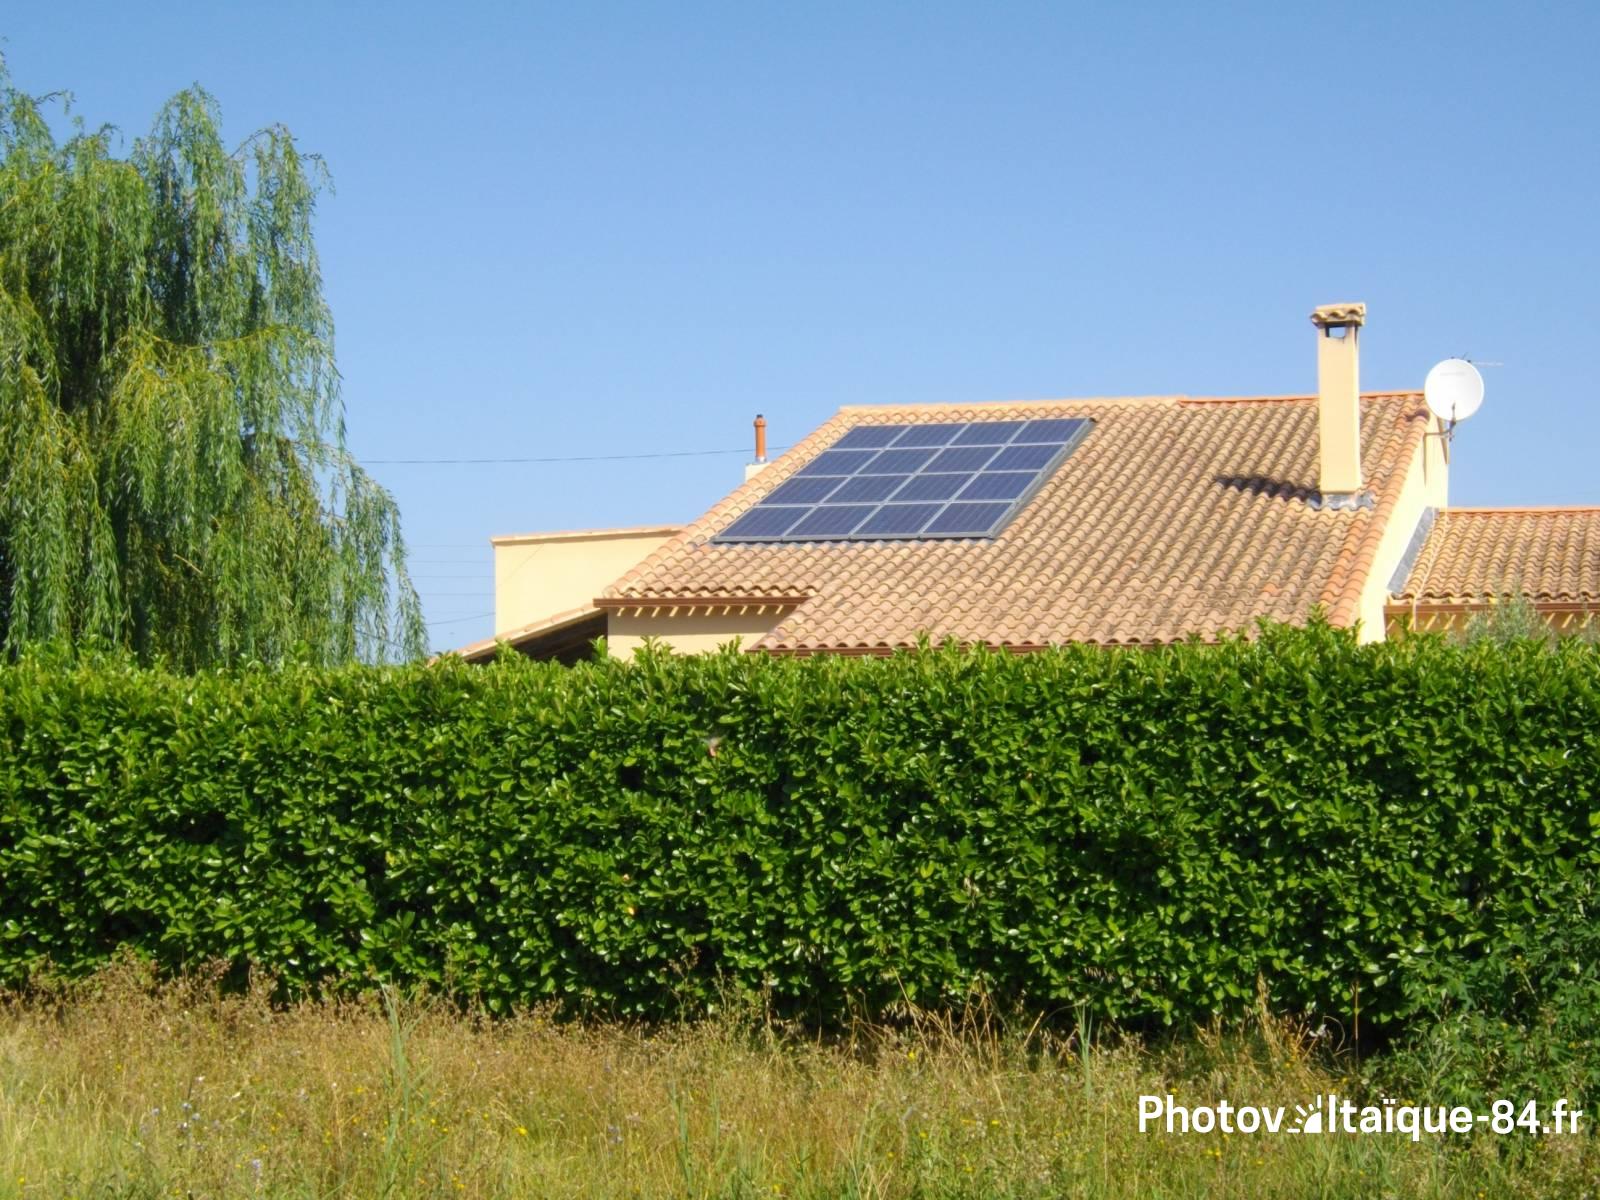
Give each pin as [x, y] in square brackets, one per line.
[753, 469]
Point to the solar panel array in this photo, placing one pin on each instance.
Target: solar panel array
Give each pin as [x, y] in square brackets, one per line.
[953, 480]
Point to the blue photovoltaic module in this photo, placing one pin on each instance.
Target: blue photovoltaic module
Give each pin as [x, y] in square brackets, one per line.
[955, 480]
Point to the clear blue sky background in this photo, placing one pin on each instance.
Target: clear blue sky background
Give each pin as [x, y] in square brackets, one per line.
[579, 229]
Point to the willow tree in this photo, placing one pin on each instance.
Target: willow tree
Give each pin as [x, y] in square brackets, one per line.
[173, 470]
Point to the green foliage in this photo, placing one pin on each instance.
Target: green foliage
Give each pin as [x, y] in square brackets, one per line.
[1141, 836]
[173, 476]
[1519, 1022]
[1509, 620]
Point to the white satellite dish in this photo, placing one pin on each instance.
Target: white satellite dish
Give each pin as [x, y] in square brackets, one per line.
[1453, 390]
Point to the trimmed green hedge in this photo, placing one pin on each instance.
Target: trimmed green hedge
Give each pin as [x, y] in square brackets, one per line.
[1143, 835]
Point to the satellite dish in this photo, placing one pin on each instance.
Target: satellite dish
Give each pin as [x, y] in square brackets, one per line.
[1453, 390]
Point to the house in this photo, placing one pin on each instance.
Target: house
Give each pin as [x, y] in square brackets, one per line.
[1124, 521]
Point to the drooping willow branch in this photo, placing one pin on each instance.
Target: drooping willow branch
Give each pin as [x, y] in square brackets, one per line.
[173, 472]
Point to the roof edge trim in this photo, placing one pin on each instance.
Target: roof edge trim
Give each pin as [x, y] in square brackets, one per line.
[1408, 559]
[554, 623]
[711, 601]
[585, 535]
[1498, 509]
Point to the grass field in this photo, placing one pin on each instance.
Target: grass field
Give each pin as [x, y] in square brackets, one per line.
[122, 1089]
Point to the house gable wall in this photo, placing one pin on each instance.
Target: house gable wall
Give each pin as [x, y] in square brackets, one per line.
[689, 632]
[542, 573]
[1424, 485]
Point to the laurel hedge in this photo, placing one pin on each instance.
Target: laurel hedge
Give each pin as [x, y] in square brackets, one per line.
[1147, 836]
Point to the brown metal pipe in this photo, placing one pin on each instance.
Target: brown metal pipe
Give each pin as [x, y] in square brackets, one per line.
[761, 438]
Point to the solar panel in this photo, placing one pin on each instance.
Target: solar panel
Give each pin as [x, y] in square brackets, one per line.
[962, 458]
[764, 524]
[987, 433]
[837, 462]
[897, 520]
[831, 520]
[1023, 458]
[997, 485]
[928, 435]
[804, 490]
[946, 480]
[864, 437]
[867, 487]
[970, 520]
[932, 487]
[898, 462]
[1058, 430]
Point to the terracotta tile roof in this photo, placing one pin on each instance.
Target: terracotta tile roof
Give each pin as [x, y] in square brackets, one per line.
[1173, 517]
[1473, 555]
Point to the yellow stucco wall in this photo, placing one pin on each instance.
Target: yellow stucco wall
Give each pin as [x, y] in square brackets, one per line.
[688, 633]
[1339, 410]
[1426, 485]
[537, 575]
[1564, 620]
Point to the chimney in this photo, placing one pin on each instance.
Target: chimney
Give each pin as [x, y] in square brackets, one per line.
[752, 469]
[1339, 401]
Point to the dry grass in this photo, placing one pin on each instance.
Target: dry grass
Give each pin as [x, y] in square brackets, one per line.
[125, 1089]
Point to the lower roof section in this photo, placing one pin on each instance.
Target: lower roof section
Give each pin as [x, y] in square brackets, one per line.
[565, 637]
[1473, 557]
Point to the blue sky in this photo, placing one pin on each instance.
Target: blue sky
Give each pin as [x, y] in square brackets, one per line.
[564, 230]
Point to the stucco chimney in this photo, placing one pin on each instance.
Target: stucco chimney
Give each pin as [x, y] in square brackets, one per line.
[752, 469]
[1339, 400]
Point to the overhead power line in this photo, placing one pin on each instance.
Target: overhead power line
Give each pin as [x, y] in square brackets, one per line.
[572, 458]
[458, 620]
